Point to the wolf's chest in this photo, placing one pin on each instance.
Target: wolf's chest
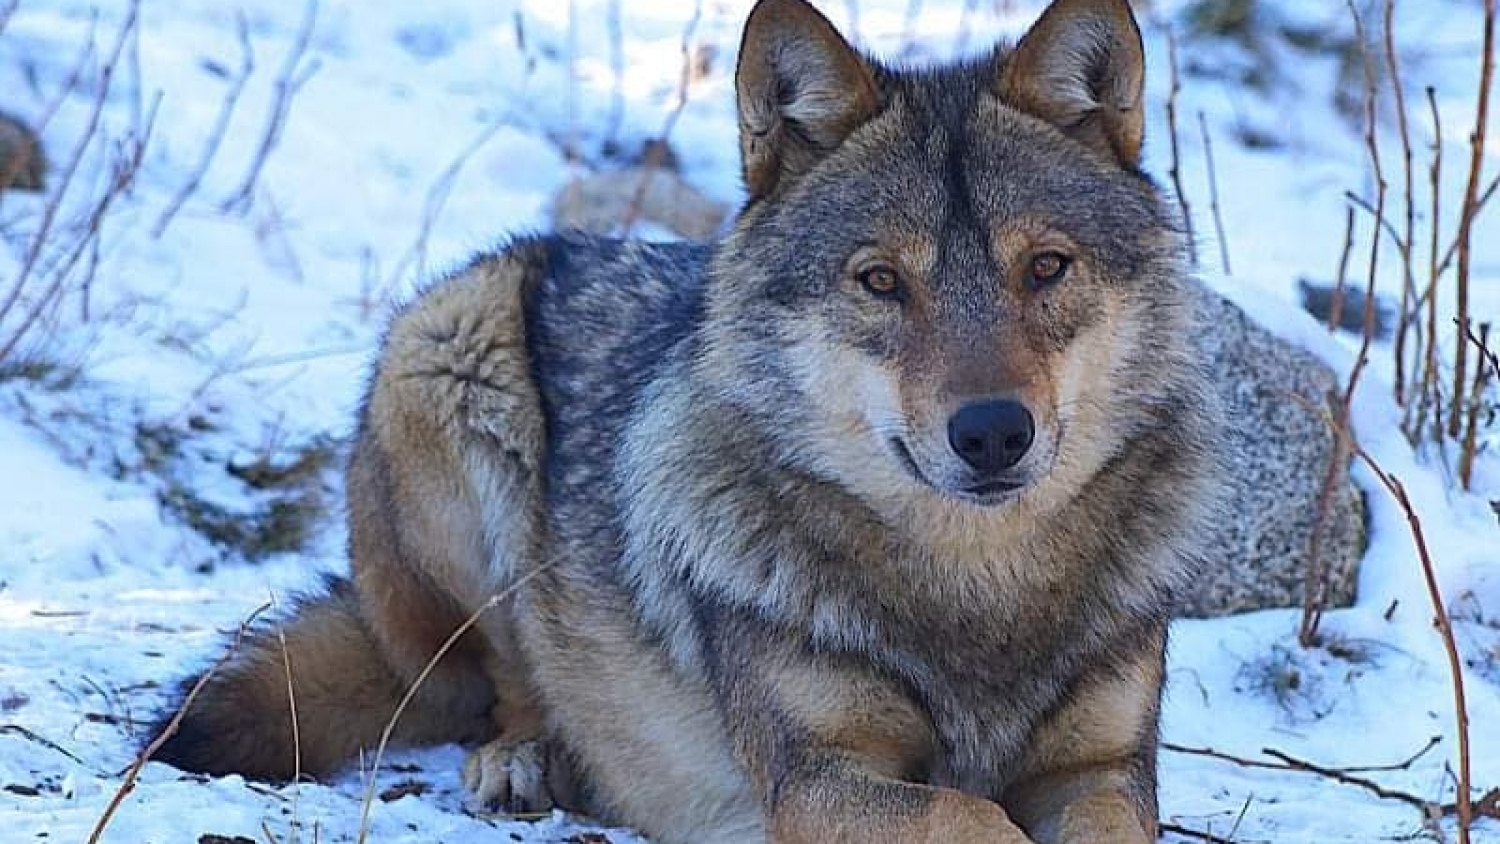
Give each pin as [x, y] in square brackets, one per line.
[986, 683]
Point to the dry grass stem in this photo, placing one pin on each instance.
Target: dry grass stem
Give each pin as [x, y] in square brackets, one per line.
[416, 684]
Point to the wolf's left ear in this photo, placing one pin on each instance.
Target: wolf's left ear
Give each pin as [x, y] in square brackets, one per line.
[801, 89]
[1081, 68]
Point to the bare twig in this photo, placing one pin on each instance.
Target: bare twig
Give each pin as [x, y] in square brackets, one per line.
[1404, 764]
[617, 71]
[1175, 170]
[1469, 448]
[55, 273]
[289, 80]
[1467, 212]
[172, 727]
[17, 729]
[1408, 232]
[1486, 354]
[1463, 807]
[122, 179]
[1385, 224]
[1315, 590]
[75, 74]
[414, 259]
[220, 126]
[1431, 400]
[1186, 832]
[965, 25]
[909, 23]
[633, 211]
[1346, 776]
[1213, 194]
[1484, 198]
[1336, 303]
[1294, 764]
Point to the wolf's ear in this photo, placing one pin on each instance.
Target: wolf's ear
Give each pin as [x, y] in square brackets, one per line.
[801, 89]
[1081, 68]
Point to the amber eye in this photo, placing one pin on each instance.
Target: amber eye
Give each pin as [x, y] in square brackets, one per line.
[882, 281]
[1049, 268]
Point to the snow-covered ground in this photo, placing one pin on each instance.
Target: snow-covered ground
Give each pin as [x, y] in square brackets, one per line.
[214, 359]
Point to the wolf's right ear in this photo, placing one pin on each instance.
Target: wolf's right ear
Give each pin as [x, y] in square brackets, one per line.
[1081, 68]
[801, 89]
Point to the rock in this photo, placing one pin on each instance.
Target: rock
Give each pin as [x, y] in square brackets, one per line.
[1318, 299]
[1274, 395]
[605, 201]
[22, 164]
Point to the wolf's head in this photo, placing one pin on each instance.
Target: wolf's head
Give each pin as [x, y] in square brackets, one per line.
[953, 281]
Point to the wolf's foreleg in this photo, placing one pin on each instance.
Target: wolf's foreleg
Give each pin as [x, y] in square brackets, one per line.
[1090, 773]
[837, 755]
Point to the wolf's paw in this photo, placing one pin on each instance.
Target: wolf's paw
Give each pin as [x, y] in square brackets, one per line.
[509, 776]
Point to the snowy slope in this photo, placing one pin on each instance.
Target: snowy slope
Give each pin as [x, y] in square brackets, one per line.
[424, 132]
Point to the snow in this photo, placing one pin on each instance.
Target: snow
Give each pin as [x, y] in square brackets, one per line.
[425, 132]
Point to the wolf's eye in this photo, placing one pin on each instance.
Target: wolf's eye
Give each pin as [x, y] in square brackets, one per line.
[1049, 268]
[882, 281]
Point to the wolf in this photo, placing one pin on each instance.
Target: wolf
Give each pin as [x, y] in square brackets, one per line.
[861, 524]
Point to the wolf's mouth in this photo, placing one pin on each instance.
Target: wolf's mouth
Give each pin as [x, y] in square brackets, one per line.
[990, 492]
[909, 461]
[993, 488]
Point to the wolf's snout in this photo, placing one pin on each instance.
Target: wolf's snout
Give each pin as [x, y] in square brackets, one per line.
[991, 436]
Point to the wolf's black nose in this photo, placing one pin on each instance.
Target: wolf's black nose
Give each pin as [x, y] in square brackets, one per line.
[991, 436]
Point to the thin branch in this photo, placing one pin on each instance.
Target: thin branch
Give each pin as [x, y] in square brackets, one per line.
[1315, 588]
[1198, 835]
[1467, 212]
[637, 200]
[220, 127]
[17, 729]
[172, 727]
[1294, 764]
[1346, 776]
[1404, 242]
[1336, 303]
[1463, 806]
[1404, 764]
[1431, 400]
[1213, 194]
[435, 200]
[613, 24]
[1485, 352]
[43, 235]
[1175, 170]
[1469, 449]
[292, 76]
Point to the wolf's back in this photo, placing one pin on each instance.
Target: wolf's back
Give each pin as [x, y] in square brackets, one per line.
[345, 693]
